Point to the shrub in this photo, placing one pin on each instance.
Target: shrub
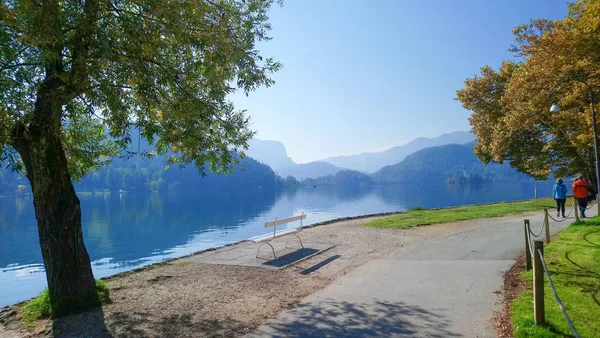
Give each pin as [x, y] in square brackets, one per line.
[39, 307]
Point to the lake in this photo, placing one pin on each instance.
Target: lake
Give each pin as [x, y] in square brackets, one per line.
[128, 230]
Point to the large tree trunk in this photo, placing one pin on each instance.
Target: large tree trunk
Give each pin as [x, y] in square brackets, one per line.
[57, 209]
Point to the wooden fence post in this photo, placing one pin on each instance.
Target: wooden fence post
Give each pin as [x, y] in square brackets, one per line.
[547, 226]
[576, 209]
[538, 284]
[527, 249]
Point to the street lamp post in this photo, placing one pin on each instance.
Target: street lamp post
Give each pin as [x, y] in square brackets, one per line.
[556, 108]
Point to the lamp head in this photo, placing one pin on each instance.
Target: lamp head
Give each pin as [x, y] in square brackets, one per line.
[555, 108]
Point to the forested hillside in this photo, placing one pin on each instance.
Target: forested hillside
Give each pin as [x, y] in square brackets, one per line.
[150, 174]
[451, 163]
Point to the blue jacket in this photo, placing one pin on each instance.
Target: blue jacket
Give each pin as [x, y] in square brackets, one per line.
[560, 191]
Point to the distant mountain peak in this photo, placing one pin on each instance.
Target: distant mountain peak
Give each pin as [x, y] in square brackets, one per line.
[274, 154]
[372, 161]
[271, 153]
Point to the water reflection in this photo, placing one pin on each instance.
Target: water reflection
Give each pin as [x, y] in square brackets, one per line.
[127, 230]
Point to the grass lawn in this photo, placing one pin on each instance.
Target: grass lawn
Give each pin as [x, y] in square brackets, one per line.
[574, 263]
[420, 217]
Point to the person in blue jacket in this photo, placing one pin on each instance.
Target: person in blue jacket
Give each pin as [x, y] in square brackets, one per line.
[560, 196]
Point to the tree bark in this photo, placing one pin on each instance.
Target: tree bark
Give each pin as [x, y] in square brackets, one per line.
[69, 274]
[591, 179]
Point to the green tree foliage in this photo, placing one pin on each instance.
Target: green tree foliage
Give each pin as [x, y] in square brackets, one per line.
[72, 69]
[510, 106]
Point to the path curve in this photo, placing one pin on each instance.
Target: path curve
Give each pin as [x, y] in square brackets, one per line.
[442, 287]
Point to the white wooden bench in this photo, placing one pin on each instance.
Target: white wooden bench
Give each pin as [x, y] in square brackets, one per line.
[267, 238]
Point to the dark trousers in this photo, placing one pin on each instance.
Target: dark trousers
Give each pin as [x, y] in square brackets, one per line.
[560, 205]
[582, 205]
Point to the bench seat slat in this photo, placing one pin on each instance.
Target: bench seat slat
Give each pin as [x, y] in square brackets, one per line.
[270, 236]
[285, 220]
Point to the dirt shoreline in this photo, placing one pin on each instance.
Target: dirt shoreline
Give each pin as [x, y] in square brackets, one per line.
[309, 226]
[224, 292]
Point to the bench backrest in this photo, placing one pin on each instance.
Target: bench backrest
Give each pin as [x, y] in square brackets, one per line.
[276, 222]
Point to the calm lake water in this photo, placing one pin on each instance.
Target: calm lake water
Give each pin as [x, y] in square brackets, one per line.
[127, 230]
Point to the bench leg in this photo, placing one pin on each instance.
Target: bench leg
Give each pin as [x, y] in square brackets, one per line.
[269, 244]
[300, 239]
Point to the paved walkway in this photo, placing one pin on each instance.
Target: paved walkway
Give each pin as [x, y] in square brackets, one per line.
[443, 287]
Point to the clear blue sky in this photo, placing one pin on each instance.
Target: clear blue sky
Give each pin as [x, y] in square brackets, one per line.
[366, 75]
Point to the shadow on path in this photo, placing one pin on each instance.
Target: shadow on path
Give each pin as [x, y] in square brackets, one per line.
[291, 257]
[140, 324]
[89, 324]
[343, 319]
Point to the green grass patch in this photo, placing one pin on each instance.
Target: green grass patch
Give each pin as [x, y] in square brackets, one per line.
[419, 217]
[574, 263]
[39, 307]
[103, 292]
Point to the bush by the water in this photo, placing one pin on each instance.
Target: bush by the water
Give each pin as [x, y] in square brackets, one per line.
[39, 307]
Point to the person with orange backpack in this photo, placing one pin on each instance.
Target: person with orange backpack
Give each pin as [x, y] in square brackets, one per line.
[580, 191]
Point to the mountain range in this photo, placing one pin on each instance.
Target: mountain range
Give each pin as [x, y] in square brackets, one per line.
[371, 162]
[274, 154]
[267, 162]
[450, 163]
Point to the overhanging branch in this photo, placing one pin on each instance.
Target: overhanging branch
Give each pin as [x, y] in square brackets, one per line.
[17, 65]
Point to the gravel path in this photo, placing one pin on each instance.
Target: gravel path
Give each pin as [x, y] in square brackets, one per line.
[439, 287]
[202, 296]
[8, 334]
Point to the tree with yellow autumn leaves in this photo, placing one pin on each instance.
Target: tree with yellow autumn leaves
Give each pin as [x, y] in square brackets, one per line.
[510, 106]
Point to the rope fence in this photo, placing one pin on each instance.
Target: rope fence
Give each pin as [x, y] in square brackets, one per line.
[534, 252]
[565, 218]
[529, 246]
[540, 269]
[592, 205]
[556, 297]
[541, 229]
